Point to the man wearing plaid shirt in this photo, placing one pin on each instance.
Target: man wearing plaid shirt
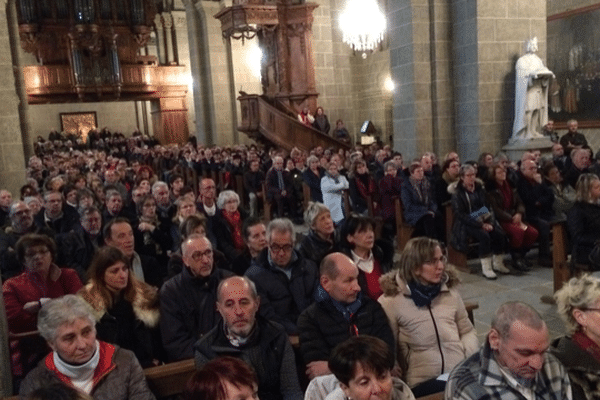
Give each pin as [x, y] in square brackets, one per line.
[513, 363]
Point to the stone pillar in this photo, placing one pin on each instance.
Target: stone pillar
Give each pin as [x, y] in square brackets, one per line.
[420, 44]
[160, 39]
[489, 37]
[168, 24]
[13, 114]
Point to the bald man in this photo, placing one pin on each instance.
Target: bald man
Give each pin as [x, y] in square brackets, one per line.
[340, 311]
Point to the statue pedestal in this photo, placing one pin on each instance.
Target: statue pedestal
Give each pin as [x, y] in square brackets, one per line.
[516, 147]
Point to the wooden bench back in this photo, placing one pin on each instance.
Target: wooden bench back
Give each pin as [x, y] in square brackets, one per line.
[169, 379]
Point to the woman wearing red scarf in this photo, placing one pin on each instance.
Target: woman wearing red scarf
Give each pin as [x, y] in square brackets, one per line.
[228, 224]
[362, 186]
[509, 211]
[578, 303]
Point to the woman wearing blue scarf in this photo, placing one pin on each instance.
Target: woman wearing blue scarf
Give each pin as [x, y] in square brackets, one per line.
[427, 316]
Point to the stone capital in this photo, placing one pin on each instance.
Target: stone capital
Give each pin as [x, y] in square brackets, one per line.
[168, 20]
[158, 21]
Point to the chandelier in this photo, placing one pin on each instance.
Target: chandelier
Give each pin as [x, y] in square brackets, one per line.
[362, 24]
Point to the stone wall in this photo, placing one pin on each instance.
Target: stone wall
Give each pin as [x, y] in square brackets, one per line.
[116, 116]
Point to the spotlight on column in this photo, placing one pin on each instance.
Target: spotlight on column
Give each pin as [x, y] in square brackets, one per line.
[254, 58]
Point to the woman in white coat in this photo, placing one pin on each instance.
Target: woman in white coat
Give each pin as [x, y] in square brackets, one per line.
[333, 185]
[427, 316]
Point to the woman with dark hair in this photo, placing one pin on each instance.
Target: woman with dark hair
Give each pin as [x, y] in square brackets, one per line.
[224, 378]
[427, 316]
[152, 237]
[509, 211]
[419, 206]
[373, 259]
[450, 170]
[126, 310]
[362, 186]
[26, 293]
[363, 365]
[473, 218]
[321, 123]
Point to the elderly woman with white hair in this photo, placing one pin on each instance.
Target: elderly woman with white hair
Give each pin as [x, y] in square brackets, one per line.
[320, 239]
[578, 303]
[228, 223]
[97, 368]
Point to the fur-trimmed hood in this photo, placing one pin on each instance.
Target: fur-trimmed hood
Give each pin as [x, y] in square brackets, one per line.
[145, 303]
[392, 284]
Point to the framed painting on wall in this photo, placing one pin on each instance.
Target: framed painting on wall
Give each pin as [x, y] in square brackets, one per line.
[574, 57]
[78, 123]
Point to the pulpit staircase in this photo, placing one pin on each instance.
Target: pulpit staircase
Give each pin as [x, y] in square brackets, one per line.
[273, 123]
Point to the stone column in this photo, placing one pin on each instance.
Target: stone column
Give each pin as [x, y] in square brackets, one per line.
[160, 39]
[488, 39]
[168, 24]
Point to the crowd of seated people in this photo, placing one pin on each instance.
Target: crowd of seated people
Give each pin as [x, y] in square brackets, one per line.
[172, 245]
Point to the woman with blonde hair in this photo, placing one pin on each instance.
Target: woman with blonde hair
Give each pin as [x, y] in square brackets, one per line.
[126, 310]
[583, 220]
[427, 316]
[578, 303]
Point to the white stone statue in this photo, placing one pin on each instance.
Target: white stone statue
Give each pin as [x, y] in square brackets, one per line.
[531, 94]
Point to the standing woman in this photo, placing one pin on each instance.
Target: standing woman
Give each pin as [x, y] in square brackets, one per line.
[473, 218]
[126, 310]
[509, 211]
[362, 186]
[312, 177]
[321, 123]
[152, 237]
[427, 316]
[333, 185]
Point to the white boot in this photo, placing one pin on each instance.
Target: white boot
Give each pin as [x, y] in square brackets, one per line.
[486, 268]
[499, 264]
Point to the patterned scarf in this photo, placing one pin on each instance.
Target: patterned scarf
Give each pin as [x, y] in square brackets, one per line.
[235, 222]
[365, 185]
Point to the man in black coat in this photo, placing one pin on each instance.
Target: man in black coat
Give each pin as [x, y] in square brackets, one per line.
[119, 233]
[284, 279]
[187, 301]
[77, 248]
[341, 311]
[261, 343]
[538, 200]
[54, 215]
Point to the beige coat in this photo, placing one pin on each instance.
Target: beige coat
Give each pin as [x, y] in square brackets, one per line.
[431, 340]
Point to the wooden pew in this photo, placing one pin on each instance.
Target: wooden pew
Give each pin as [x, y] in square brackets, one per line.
[190, 177]
[305, 195]
[403, 230]
[169, 379]
[470, 306]
[455, 257]
[561, 269]
[435, 396]
[239, 189]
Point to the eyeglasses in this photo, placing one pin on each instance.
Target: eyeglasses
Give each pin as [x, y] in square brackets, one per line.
[32, 254]
[443, 259]
[198, 255]
[590, 309]
[285, 248]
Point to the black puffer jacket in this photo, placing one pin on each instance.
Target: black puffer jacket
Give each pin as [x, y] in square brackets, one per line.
[187, 311]
[282, 299]
[322, 327]
[583, 221]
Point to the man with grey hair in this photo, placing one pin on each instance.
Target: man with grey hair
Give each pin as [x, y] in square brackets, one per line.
[187, 301]
[513, 363]
[285, 280]
[263, 344]
[164, 207]
[280, 189]
[21, 223]
[78, 359]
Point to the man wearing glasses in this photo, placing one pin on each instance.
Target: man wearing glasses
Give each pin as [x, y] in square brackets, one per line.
[187, 301]
[284, 279]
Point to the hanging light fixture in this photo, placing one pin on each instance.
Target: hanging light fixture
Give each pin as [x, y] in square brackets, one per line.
[362, 24]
